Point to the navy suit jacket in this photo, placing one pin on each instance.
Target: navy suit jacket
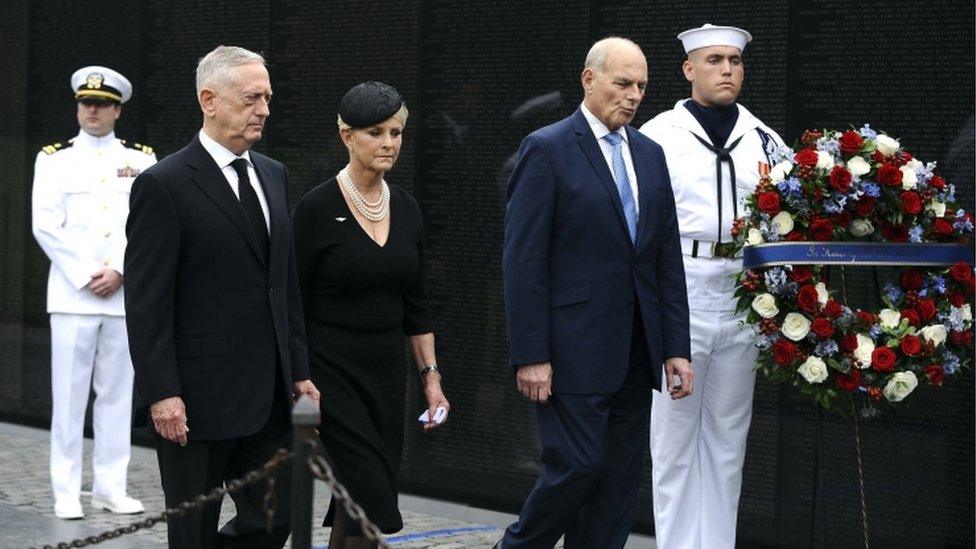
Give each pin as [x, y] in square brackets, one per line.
[572, 275]
[207, 318]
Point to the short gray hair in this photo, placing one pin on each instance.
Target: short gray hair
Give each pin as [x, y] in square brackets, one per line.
[596, 58]
[216, 68]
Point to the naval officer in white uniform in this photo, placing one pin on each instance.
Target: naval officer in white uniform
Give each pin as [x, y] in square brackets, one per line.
[713, 147]
[80, 202]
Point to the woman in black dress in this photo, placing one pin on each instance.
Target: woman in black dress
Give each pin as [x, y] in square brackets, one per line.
[359, 247]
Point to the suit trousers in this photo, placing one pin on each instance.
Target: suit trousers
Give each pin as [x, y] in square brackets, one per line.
[90, 352]
[698, 443]
[592, 448]
[202, 465]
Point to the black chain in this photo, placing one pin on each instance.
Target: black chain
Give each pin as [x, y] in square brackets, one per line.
[321, 469]
[265, 472]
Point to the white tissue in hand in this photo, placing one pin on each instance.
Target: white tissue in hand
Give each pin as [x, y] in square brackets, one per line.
[439, 416]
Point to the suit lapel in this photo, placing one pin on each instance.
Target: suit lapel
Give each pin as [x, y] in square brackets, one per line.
[639, 156]
[277, 209]
[591, 148]
[212, 182]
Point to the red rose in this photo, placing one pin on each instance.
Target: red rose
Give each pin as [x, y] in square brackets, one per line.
[941, 227]
[808, 299]
[833, 309]
[784, 351]
[911, 203]
[801, 274]
[912, 316]
[843, 219]
[840, 179]
[823, 327]
[821, 229]
[961, 271]
[935, 373]
[849, 343]
[889, 175]
[926, 309]
[910, 345]
[768, 202]
[895, 233]
[867, 317]
[961, 339]
[850, 381]
[806, 157]
[850, 143]
[877, 156]
[883, 359]
[937, 182]
[957, 299]
[911, 279]
[795, 236]
[865, 205]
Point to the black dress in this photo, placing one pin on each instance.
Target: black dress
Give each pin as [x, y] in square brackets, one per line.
[360, 300]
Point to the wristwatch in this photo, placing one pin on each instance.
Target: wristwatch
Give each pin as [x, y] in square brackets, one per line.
[428, 369]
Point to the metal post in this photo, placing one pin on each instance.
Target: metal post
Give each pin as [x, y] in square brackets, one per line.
[305, 418]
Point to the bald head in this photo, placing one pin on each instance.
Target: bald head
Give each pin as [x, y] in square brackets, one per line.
[614, 80]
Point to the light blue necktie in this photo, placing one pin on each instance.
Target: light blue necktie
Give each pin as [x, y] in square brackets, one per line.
[623, 184]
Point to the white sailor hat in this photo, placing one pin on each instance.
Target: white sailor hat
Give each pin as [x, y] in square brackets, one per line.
[100, 84]
[712, 35]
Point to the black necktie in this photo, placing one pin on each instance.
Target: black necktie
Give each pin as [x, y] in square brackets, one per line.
[723, 155]
[252, 208]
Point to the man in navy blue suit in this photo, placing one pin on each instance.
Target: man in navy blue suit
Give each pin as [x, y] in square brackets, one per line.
[596, 303]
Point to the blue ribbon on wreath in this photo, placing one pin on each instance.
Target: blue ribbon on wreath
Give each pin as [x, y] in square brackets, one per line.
[855, 253]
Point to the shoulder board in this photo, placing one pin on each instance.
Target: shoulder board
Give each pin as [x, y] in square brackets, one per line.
[55, 147]
[137, 146]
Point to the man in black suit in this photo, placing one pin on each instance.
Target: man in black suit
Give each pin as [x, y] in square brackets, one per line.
[216, 330]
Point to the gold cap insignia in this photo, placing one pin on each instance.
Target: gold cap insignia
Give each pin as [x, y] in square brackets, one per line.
[94, 81]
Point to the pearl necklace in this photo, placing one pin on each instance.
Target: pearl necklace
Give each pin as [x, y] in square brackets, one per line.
[373, 211]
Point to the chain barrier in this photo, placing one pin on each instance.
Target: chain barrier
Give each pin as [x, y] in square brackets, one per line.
[323, 471]
[265, 472]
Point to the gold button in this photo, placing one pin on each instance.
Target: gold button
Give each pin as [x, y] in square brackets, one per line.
[106, 262]
[108, 234]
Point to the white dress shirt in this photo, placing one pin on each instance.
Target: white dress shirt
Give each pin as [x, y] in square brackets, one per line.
[600, 131]
[223, 157]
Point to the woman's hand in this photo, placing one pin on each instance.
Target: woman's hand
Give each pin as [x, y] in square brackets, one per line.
[435, 399]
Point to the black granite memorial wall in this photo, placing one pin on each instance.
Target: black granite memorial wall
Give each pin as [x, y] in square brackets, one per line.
[477, 77]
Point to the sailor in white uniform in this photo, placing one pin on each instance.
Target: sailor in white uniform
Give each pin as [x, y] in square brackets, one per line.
[80, 202]
[714, 148]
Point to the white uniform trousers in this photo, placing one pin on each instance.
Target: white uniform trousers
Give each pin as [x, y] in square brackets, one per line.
[90, 351]
[698, 443]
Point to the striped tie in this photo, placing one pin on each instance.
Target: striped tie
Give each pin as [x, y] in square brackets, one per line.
[623, 184]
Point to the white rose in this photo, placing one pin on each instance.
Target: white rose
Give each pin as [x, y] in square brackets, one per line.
[908, 178]
[914, 164]
[765, 305]
[754, 236]
[822, 295]
[780, 171]
[935, 334]
[796, 326]
[861, 227]
[889, 318]
[813, 370]
[858, 166]
[825, 160]
[865, 346]
[966, 312]
[900, 385]
[886, 145]
[783, 222]
[938, 208]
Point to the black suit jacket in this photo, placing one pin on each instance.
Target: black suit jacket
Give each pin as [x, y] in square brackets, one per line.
[208, 320]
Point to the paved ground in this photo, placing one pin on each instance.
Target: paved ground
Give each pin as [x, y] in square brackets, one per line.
[27, 516]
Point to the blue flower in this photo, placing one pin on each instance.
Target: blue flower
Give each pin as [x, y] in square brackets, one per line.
[776, 281]
[915, 233]
[893, 293]
[938, 284]
[829, 145]
[790, 186]
[875, 332]
[826, 348]
[950, 362]
[867, 133]
[965, 226]
[778, 154]
[871, 189]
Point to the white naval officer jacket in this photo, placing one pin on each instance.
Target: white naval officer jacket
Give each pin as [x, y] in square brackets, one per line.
[80, 202]
[693, 179]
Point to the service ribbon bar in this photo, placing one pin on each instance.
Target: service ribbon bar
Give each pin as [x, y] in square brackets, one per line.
[854, 253]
